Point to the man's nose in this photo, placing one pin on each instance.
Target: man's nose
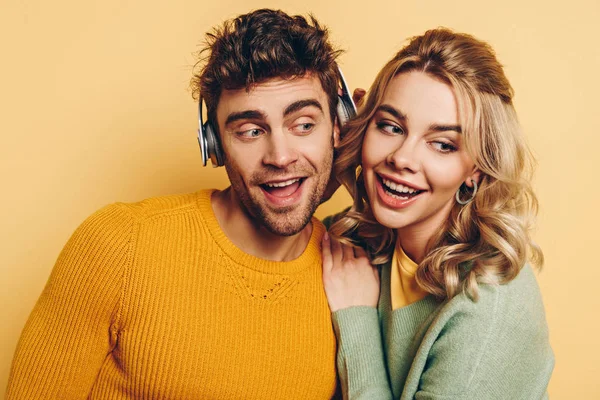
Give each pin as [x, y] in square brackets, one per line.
[280, 152]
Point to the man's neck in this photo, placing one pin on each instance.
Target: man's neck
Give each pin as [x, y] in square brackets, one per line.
[250, 235]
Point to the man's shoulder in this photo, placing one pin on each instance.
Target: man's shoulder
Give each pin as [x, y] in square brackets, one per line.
[124, 215]
[166, 205]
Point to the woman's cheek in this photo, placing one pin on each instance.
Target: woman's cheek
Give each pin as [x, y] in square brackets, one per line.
[446, 174]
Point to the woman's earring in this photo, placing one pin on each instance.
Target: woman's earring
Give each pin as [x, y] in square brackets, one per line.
[463, 202]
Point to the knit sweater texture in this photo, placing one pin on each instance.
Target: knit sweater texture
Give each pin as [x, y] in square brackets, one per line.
[152, 301]
[495, 348]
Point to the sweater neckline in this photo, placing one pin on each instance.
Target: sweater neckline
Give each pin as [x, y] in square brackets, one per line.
[309, 257]
[408, 266]
[403, 320]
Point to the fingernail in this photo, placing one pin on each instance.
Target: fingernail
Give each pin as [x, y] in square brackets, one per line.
[326, 236]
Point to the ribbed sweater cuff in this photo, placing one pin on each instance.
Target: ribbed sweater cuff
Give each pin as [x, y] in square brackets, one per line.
[356, 325]
[361, 365]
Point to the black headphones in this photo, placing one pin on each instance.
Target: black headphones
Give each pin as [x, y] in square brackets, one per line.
[210, 146]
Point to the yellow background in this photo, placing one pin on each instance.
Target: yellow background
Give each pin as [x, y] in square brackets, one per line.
[94, 108]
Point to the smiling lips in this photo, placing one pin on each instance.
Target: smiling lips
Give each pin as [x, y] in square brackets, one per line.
[283, 193]
[394, 194]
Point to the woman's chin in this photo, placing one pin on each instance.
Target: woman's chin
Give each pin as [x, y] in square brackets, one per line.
[389, 218]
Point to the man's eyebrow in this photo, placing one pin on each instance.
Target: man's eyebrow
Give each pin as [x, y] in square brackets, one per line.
[391, 110]
[248, 114]
[300, 104]
[445, 128]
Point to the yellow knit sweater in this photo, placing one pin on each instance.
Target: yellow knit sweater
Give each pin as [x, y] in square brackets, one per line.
[152, 301]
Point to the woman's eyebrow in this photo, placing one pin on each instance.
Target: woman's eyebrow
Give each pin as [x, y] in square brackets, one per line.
[445, 128]
[391, 110]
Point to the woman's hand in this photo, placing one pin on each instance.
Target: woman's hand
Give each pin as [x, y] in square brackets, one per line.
[348, 277]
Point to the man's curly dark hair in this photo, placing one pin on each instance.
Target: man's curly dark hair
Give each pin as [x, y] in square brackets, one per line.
[261, 45]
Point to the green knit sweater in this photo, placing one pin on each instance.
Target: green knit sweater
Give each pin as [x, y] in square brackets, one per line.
[495, 348]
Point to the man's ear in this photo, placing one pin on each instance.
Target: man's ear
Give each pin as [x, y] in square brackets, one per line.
[336, 133]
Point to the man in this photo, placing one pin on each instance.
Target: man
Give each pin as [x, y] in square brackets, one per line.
[216, 294]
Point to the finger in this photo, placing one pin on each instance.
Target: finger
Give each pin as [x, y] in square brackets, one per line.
[359, 252]
[326, 254]
[348, 252]
[376, 273]
[358, 96]
[336, 253]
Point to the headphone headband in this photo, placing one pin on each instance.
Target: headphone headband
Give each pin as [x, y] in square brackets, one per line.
[346, 92]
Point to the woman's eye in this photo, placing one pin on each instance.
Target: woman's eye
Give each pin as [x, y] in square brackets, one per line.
[391, 129]
[444, 147]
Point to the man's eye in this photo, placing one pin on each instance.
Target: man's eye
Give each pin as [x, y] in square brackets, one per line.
[390, 129]
[444, 147]
[306, 127]
[250, 133]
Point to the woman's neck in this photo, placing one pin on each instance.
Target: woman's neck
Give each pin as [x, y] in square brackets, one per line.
[415, 238]
[414, 246]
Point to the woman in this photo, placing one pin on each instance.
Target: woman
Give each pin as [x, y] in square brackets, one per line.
[440, 176]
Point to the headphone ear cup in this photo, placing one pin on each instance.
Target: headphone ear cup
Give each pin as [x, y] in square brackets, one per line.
[213, 146]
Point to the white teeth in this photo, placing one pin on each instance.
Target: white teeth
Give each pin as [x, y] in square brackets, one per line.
[398, 197]
[397, 186]
[283, 184]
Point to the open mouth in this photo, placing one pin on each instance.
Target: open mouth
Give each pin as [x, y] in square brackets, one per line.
[283, 189]
[398, 190]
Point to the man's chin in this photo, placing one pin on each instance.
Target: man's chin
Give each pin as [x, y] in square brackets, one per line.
[284, 220]
[286, 223]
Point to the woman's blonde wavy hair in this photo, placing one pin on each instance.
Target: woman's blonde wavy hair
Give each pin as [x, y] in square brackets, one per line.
[487, 240]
